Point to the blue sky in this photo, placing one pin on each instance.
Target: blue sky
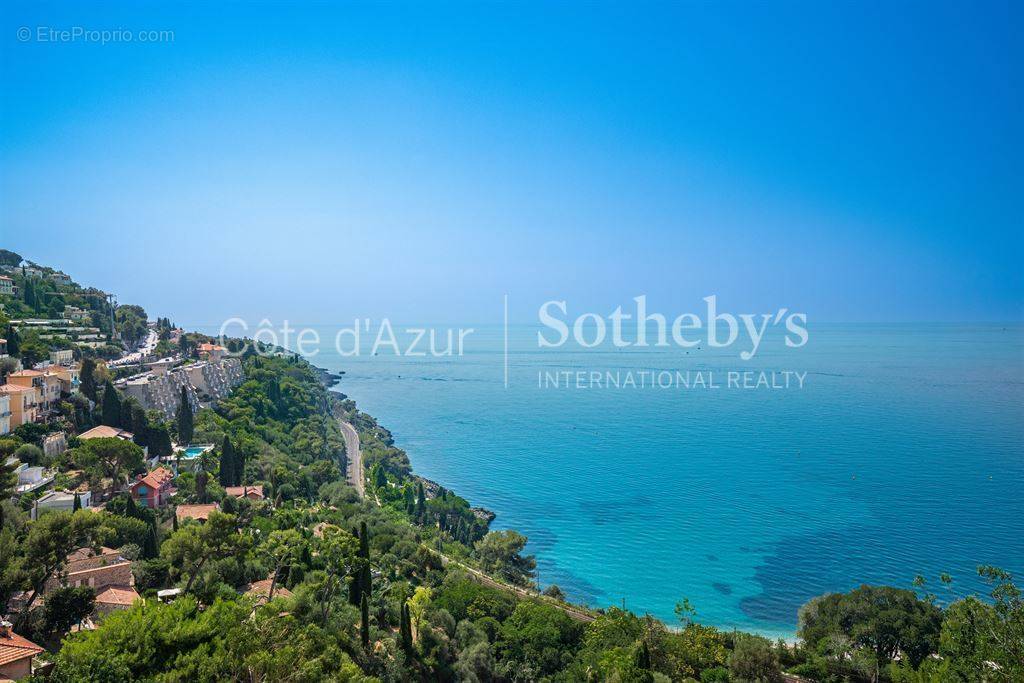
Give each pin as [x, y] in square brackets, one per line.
[324, 161]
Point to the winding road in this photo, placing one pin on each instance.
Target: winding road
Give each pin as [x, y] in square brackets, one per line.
[355, 458]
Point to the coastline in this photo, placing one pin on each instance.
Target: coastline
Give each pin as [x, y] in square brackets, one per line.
[331, 380]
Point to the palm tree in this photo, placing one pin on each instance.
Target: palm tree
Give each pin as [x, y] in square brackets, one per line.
[204, 465]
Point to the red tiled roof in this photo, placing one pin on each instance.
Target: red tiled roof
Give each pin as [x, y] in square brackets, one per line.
[239, 491]
[12, 388]
[13, 648]
[86, 553]
[155, 479]
[261, 589]
[105, 432]
[117, 595]
[26, 373]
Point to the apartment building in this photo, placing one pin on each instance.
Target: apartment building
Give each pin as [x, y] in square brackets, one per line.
[24, 405]
[48, 386]
[205, 382]
[6, 285]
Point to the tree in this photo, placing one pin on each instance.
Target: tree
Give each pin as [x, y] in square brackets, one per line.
[109, 457]
[50, 540]
[227, 476]
[500, 553]
[77, 505]
[87, 378]
[8, 484]
[10, 258]
[753, 660]
[405, 629]
[421, 503]
[110, 413]
[282, 547]
[364, 623]
[191, 547]
[66, 607]
[186, 423]
[204, 463]
[30, 454]
[878, 623]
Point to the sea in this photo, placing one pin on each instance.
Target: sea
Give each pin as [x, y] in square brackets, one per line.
[873, 454]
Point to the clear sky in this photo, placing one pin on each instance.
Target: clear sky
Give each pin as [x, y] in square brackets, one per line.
[321, 161]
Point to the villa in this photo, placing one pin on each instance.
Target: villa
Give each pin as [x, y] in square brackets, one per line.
[16, 654]
[105, 432]
[6, 285]
[211, 351]
[64, 501]
[154, 489]
[252, 492]
[197, 512]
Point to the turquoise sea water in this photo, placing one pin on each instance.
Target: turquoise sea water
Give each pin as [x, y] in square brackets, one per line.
[902, 454]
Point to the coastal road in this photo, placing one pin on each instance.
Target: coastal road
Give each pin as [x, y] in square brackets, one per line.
[355, 458]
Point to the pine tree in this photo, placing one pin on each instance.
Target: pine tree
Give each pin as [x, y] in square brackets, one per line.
[111, 412]
[77, 505]
[227, 475]
[364, 623]
[186, 426]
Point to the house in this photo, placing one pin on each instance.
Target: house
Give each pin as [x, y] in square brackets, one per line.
[16, 654]
[211, 351]
[60, 278]
[23, 403]
[64, 500]
[154, 489]
[252, 492]
[114, 598]
[6, 285]
[106, 572]
[74, 313]
[46, 386]
[5, 414]
[54, 444]
[105, 432]
[62, 357]
[260, 590]
[29, 478]
[198, 512]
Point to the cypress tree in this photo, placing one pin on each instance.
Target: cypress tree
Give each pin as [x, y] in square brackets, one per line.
[110, 414]
[186, 426]
[380, 480]
[365, 578]
[421, 503]
[227, 475]
[13, 348]
[151, 549]
[364, 623]
[405, 628]
[86, 379]
[410, 500]
[174, 521]
[77, 505]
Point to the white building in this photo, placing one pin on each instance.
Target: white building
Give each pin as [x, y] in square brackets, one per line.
[63, 500]
[5, 414]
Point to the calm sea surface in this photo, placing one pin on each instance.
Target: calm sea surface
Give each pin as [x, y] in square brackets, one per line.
[902, 454]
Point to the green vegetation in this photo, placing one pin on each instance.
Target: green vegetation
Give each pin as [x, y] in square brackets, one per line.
[406, 584]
